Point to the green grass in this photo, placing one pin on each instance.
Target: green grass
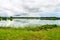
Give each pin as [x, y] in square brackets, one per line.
[37, 32]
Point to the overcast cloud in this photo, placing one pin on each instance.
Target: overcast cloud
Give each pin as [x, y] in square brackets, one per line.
[31, 7]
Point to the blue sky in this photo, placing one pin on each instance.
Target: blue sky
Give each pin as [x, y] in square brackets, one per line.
[30, 7]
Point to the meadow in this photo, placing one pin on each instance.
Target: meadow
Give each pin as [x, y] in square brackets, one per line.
[37, 32]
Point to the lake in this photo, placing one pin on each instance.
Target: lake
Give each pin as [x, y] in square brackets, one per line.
[24, 22]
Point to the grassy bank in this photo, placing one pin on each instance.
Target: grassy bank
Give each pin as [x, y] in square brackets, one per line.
[44, 32]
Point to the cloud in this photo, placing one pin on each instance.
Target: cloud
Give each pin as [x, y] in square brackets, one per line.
[39, 6]
[12, 7]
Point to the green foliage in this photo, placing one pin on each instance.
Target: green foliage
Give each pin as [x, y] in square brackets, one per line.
[30, 33]
[39, 27]
[6, 18]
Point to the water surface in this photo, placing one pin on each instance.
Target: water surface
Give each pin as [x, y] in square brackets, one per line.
[24, 22]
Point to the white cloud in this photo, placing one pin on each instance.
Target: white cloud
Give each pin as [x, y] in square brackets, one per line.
[11, 7]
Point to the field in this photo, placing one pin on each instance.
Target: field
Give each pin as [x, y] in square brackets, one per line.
[37, 32]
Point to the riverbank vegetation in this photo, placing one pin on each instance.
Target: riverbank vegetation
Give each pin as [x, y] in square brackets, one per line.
[41, 18]
[37, 32]
[6, 18]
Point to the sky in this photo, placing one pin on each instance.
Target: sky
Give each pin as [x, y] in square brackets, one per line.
[30, 7]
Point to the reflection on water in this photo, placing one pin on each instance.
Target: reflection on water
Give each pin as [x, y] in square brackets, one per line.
[23, 22]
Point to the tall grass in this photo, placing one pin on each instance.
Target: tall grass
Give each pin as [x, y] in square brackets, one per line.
[37, 32]
[33, 27]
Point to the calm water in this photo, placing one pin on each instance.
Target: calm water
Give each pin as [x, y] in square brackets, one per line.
[23, 22]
